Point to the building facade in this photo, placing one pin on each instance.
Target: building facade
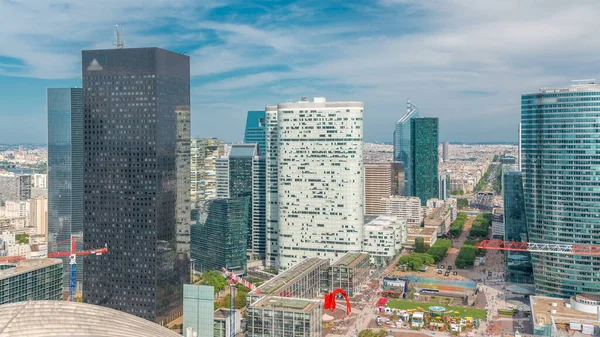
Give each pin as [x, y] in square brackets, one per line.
[424, 158]
[561, 184]
[256, 128]
[182, 222]
[131, 98]
[321, 179]
[204, 155]
[402, 143]
[445, 152]
[258, 245]
[271, 196]
[444, 185]
[381, 181]
[14, 187]
[403, 208]
[219, 239]
[282, 316]
[31, 280]
[350, 272]
[65, 173]
[198, 310]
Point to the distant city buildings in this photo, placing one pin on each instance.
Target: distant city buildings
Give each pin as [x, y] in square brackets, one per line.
[403, 145]
[444, 186]
[16, 187]
[255, 131]
[65, 173]
[424, 158]
[204, 155]
[382, 180]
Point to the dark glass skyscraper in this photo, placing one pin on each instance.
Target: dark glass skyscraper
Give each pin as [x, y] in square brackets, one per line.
[402, 144]
[424, 157]
[255, 131]
[131, 97]
[65, 173]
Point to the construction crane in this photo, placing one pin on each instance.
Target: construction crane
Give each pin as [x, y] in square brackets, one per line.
[233, 280]
[72, 261]
[574, 249]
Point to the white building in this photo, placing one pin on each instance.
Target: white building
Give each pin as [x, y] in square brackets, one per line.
[321, 179]
[403, 208]
[39, 180]
[272, 206]
[383, 238]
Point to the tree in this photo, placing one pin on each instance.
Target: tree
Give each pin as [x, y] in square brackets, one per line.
[22, 238]
[462, 203]
[420, 245]
[439, 249]
[215, 279]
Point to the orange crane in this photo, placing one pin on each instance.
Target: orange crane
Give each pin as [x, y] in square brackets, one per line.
[72, 262]
[573, 249]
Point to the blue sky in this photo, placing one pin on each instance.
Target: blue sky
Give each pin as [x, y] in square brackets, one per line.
[464, 61]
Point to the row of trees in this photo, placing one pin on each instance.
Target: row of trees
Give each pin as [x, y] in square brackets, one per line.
[481, 226]
[484, 179]
[457, 192]
[371, 333]
[497, 184]
[439, 249]
[458, 224]
[467, 254]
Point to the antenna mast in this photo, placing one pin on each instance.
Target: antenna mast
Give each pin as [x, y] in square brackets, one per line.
[119, 44]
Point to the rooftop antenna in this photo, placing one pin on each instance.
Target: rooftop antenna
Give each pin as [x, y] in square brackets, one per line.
[119, 44]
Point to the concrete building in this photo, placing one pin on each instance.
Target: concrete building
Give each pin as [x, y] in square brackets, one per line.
[402, 143]
[31, 280]
[381, 181]
[560, 161]
[428, 234]
[38, 216]
[222, 322]
[39, 180]
[182, 207]
[321, 179]
[14, 187]
[131, 98]
[284, 316]
[444, 186]
[403, 208]
[497, 223]
[198, 310]
[204, 154]
[383, 239]
[272, 186]
[424, 158]
[255, 131]
[440, 215]
[577, 316]
[258, 244]
[350, 272]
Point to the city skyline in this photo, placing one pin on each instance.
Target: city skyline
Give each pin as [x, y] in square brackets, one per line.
[243, 58]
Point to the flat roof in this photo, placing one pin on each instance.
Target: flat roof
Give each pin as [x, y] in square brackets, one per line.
[275, 284]
[27, 265]
[541, 306]
[421, 230]
[286, 303]
[351, 259]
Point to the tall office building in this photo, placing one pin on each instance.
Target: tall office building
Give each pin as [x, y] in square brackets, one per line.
[424, 158]
[131, 98]
[255, 131]
[402, 143]
[271, 197]
[14, 187]
[517, 264]
[382, 180]
[445, 152]
[321, 179]
[561, 162]
[198, 310]
[65, 174]
[444, 186]
[258, 245]
[519, 151]
[183, 219]
[204, 155]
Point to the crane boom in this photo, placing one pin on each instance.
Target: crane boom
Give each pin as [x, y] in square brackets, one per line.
[532, 247]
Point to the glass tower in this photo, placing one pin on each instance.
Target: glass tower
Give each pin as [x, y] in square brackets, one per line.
[255, 131]
[424, 158]
[402, 143]
[131, 98]
[561, 184]
[517, 264]
[65, 174]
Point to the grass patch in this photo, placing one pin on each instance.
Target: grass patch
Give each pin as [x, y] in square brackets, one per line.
[463, 312]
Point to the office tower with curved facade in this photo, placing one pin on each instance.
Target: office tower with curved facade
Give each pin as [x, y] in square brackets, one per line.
[561, 184]
[321, 179]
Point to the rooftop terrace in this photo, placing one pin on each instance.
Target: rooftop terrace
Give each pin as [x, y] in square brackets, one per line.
[351, 259]
[286, 303]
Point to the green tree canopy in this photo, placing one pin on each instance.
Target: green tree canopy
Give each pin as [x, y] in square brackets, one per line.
[215, 279]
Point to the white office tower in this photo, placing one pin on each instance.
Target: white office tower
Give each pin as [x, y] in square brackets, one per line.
[321, 179]
[271, 209]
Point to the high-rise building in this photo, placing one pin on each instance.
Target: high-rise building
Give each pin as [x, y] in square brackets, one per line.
[444, 186]
[182, 222]
[271, 197]
[31, 280]
[445, 151]
[424, 158]
[65, 174]
[403, 208]
[561, 162]
[255, 131]
[198, 310]
[321, 179]
[131, 99]
[382, 180]
[204, 155]
[519, 151]
[14, 187]
[517, 264]
[402, 143]
[219, 238]
[38, 218]
[258, 245]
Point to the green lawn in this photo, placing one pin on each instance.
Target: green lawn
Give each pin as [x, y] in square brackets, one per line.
[463, 312]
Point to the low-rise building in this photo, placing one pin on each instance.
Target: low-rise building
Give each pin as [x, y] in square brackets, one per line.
[282, 316]
[403, 208]
[222, 323]
[383, 238]
[428, 234]
[349, 272]
[555, 316]
[34, 279]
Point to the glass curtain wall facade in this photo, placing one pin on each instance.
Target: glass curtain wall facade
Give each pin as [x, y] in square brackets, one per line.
[198, 309]
[424, 157]
[259, 190]
[402, 143]
[130, 178]
[255, 131]
[31, 280]
[561, 184]
[241, 163]
[219, 238]
[65, 174]
[517, 264]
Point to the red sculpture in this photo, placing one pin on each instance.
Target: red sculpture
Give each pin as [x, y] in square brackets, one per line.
[330, 300]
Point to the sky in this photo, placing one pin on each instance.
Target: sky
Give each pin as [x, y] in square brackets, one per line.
[464, 61]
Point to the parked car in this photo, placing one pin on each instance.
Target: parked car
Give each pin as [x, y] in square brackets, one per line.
[455, 273]
[449, 267]
[447, 274]
[439, 271]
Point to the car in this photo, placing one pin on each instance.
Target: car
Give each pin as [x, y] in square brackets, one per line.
[441, 266]
[388, 322]
[455, 273]
[439, 271]
[447, 274]
[378, 323]
[449, 267]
